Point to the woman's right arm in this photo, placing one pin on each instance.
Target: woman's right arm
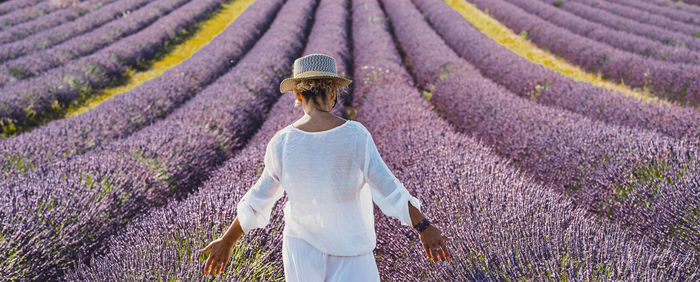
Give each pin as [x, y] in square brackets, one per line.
[394, 200]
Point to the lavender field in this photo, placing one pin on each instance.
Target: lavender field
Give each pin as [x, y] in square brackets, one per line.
[537, 172]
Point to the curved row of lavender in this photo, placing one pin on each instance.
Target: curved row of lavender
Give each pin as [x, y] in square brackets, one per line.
[164, 160]
[14, 5]
[26, 38]
[548, 87]
[676, 15]
[676, 82]
[128, 112]
[180, 228]
[42, 98]
[642, 16]
[33, 12]
[617, 39]
[56, 35]
[676, 41]
[504, 225]
[36, 63]
[645, 181]
[49, 21]
[682, 5]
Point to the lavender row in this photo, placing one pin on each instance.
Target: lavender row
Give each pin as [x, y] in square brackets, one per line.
[617, 39]
[168, 159]
[676, 15]
[50, 21]
[548, 87]
[685, 5]
[39, 62]
[13, 5]
[213, 205]
[676, 82]
[645, 181]
[504, 225]
[34, 101]
[643, 17]
[128, 112]
[32, 12]
[677, 42]
[51, 37]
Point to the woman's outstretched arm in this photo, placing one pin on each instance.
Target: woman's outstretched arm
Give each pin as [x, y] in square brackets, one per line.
[431, 237]
[221, 249]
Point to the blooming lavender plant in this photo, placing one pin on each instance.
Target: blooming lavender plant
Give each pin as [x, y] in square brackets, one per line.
[169, 157]
[9, 6]
[674, 14]
[667, 80]
[130, 111]
[617, 39]
[56, 24]
[671, 38]
[645, 181]
[550, 88]
[34, 101]
[504, 225]
[643, 16]
[32, 12]
[38, 62]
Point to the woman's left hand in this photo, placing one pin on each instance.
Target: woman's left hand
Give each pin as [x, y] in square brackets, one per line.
[218, 258]
[434, 243]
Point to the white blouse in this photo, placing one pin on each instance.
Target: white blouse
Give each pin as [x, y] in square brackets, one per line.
[331, 178]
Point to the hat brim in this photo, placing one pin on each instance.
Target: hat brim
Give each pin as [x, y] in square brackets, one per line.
[288, 84]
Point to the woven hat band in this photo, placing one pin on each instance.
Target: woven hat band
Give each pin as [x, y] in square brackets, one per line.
[314, 73]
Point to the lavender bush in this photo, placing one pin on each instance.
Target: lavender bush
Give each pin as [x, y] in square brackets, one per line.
[130, 111]
[50, 22]
[677, 15]
[684, 5]
[10, 6]
[549, 87]
[34, 101]
[617, 39]
[36, 63]
[32, 12]
[505, 226]
[169, 158]
[51, 37]
[677, 41]
[667, 80]
[646, 182]
[643, 16]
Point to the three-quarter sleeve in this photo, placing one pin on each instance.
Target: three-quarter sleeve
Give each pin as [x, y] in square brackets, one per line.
[254, 209]
[387, 191]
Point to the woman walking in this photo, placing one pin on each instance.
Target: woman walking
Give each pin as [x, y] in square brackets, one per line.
[332, 172]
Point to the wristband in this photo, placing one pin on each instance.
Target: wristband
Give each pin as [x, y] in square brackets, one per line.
[422, 225]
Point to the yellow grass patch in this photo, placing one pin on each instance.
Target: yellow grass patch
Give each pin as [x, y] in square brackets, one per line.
[521, 46]
[205, 32]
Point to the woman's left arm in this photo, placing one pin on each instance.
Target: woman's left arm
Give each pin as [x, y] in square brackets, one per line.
[253, 211]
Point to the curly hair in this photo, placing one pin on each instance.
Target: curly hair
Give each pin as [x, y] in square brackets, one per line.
[314, 88]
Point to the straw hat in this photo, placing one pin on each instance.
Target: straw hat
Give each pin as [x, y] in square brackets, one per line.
[312, 66]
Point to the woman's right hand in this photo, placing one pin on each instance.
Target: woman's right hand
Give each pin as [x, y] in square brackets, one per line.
[434, 243]
[220, 252]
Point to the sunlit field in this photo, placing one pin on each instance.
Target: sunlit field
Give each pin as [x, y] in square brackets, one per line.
[551, 139]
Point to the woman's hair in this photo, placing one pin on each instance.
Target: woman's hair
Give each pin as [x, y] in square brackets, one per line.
[315, 88]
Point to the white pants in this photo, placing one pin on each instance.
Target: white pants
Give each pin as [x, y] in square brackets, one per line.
[303, 262]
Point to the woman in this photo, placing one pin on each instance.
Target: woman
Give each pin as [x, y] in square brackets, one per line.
[332, 172]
